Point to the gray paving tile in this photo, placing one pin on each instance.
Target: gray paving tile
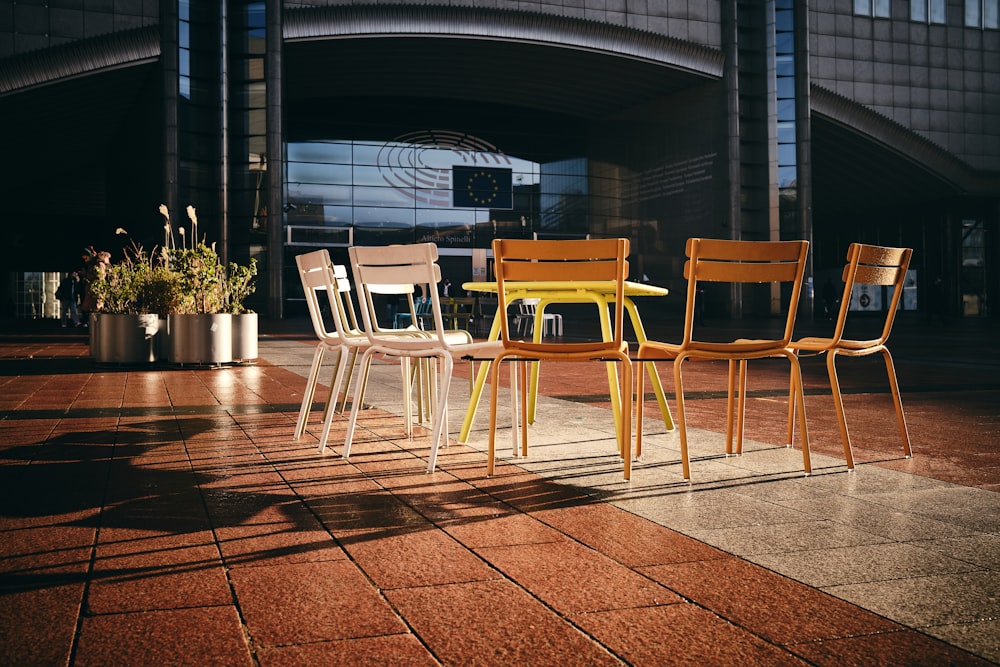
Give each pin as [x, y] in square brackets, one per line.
[861, 564]
[928, 601]
[981, 637]
[981, 550]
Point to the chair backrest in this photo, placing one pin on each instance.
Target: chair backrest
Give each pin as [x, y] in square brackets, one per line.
[878, 266]
[319, 274]
[580, 260]
[398, 269]
[741, 262]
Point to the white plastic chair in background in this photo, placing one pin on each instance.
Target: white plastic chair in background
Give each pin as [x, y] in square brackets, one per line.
[552, 323]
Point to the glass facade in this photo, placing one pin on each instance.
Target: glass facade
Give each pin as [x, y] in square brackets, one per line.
[509, 176]
[422, 188]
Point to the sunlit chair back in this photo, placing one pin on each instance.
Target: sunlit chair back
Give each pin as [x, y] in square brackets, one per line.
[318, 276]
[398, 270]
[743, 263]
[580, 260]
[872, 266]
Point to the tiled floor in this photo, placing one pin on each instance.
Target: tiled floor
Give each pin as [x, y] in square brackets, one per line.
[166, 516]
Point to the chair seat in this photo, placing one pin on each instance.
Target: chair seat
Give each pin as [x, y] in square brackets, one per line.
[586, 348]
[822, 344]
[759, 348]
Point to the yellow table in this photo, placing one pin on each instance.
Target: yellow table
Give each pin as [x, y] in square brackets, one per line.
[598, 292]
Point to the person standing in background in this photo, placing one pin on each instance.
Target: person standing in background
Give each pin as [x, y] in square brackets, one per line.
[68, 294]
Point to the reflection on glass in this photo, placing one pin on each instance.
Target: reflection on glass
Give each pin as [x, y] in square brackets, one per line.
[403, 183]
[787, 177]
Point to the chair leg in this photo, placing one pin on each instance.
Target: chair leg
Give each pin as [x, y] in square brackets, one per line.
[730, 392]
[492, 439]
[803, 428]
[310, 391]
[897, 402]
[522, 367]
[640, 392]
[359, 397]
[792, 402]
[440, 403]
[335, 375]
[741, 407]
[626, 418]
[681, 418]
[352, 359]
[838, 402]
[515, 408]
[407, 378]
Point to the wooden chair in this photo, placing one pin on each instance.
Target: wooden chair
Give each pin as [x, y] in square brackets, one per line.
[401, 268]
[739, 263]
[875, 266]
[520, 261]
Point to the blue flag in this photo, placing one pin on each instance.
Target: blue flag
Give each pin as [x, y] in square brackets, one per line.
[481, 187]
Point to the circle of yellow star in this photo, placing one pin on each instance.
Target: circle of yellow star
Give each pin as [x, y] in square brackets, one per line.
[475, 184]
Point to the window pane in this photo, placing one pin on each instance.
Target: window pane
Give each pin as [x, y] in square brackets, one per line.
[786, 132]
[882, 8]
[972, 13]
[991, 14]
[863, 7]
[786, 87]
[918, 10]
[937, 11]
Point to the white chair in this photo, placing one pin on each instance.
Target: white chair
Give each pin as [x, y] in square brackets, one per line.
[524, 322]
[319, 275]
[400, 268]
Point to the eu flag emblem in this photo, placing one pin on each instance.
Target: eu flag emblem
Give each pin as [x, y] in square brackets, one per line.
[481, 187]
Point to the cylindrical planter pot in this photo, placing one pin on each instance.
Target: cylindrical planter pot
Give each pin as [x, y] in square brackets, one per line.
[200, 339]
[123, 339]
[244, 336]
[162, 346]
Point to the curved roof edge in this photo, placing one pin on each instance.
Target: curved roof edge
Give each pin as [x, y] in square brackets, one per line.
[73, 59]
[903, 141]
[504, 25]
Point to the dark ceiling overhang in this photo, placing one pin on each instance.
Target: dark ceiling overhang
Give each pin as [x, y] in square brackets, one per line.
[864, 161]
[558, 65]
[63, 109]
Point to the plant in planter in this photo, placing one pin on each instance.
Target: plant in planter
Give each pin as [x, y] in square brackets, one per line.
[238, 286]
[130, 297]
[200, 324]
